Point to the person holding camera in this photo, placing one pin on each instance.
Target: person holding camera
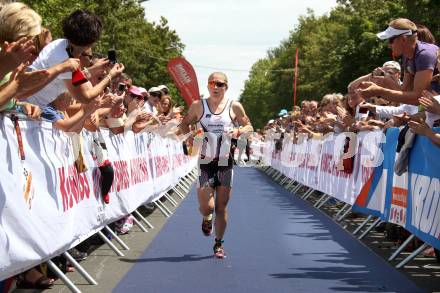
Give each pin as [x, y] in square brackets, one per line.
[82, 30]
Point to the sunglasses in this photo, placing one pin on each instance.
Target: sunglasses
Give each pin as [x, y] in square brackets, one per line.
[90, 56]
[391, 40]
[218, 84]
[156, 94]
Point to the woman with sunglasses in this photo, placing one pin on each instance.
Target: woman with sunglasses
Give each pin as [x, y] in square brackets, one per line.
[216, 116]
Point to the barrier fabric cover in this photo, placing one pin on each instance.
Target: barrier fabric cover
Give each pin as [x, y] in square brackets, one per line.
[47, 207]
[411, 200]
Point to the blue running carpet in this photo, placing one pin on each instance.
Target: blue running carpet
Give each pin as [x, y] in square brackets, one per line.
[275, 242]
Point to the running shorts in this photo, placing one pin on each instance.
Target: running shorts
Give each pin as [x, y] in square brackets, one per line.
[212, 175]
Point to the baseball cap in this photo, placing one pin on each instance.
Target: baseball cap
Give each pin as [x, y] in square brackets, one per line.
[154, 89]
[143, 90]
[271, 121]
[392, 64]
[162, 86]
[283, 113]
[135, 91]
[405, 29]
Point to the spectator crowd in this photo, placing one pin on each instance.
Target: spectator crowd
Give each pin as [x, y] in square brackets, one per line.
[403, 94]
[66, 83]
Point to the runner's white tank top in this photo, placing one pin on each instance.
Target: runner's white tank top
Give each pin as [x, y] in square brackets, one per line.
[214, 125]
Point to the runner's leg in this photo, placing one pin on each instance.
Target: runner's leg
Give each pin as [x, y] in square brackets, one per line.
[206, 200]
[223, 194]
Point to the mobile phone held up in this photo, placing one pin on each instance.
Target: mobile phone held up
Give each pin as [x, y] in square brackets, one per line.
[363, 110]
[121, 88]
[112, 56]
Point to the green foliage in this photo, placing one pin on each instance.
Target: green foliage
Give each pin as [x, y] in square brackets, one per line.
[334, 49]
[142, 46]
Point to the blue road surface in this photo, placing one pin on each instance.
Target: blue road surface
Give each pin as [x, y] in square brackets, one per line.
[275, 242]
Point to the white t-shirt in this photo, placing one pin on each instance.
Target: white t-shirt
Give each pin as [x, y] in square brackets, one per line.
[389, 111]
[149, 108]
[51, 55]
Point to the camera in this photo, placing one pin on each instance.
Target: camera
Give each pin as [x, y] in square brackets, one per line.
[121, 87]
[363, 110]
[112, 56]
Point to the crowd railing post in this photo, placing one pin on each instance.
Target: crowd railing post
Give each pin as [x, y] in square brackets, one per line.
[80, 269]
[170, 199]
[401, 247]
[143, 219]
[289, 185]
[371, 227]
[324, 202]
[117, 238]
[56, 270]
[344, 214]
[320, 199]
[110, 244]
[179, 194]
[139, 224]
[361, 225]
[296, 188]
[341, 210]
[412, 256]
[308, 193]
[162, 208]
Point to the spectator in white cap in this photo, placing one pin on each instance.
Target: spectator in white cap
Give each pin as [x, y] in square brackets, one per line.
[164, 89]
[154, 95]
[419, 62]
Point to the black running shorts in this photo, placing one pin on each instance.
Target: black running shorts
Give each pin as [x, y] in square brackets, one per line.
[212, 175]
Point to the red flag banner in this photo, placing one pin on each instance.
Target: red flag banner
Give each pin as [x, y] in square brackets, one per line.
[295, 79]
[185, 79]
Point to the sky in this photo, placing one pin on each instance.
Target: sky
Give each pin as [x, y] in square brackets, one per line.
[230, 36]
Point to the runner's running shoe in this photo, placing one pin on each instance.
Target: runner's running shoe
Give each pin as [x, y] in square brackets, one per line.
[207, 225]
[219, 251]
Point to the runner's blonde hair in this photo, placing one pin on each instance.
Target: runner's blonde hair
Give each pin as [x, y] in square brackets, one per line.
[225, 78]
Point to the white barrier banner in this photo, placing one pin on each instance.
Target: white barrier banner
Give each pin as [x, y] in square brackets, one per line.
[319, 163]
[47, 207]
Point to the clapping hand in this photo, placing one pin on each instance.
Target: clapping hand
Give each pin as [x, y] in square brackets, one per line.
[419, 128]
[15, 53]
[428, 101]
[26, 83]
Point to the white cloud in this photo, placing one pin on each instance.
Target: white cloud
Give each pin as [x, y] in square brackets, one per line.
[231, 34]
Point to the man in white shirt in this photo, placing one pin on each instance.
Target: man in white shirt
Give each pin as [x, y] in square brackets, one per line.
[82, 30]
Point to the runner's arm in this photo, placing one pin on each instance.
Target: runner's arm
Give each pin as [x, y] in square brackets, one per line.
[242, 119]
[190, 118]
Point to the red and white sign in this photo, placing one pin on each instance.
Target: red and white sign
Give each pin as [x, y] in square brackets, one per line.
[185, 79]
